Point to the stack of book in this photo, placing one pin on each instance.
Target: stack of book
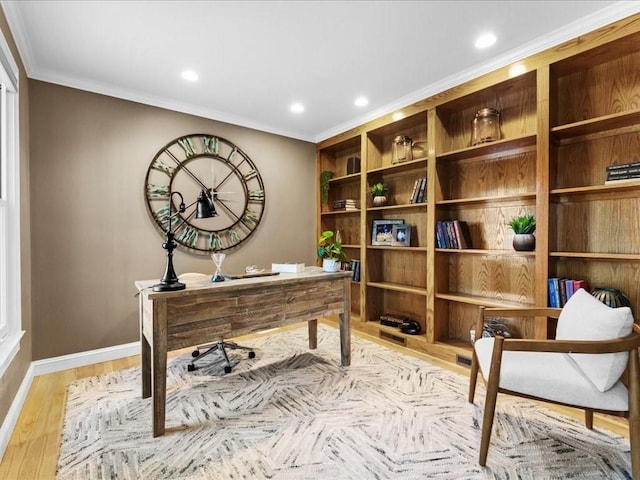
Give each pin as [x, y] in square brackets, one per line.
[561, 289]
[452, 234]
[355, 270]
[628, 172]
[346, 204]
[418, 194]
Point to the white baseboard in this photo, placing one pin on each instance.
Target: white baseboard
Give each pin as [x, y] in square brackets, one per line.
[9, 422]
[81, 359]
[57, 364]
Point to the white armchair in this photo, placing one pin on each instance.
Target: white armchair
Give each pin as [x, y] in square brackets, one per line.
[583, 367]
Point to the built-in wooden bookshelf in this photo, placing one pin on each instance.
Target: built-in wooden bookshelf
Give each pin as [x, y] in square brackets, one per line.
[574, 111]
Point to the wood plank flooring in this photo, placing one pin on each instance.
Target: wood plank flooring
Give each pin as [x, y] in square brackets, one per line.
[32, 452]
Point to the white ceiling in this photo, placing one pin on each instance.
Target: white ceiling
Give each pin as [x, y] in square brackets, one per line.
[255, 59]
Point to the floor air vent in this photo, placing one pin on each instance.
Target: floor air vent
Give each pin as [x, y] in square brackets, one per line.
[464, 361]
[393, 338]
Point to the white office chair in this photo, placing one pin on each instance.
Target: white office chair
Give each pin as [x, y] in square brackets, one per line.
[583, 367]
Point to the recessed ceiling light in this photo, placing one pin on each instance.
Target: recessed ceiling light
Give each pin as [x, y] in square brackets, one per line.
[190, 75]
[361, 101]
[485, 40]
[397, 116]
[517, 69]
[297, 108]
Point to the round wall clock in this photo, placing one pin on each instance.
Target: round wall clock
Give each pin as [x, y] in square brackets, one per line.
[202, 164]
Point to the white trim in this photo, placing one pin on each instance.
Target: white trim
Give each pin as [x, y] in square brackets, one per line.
[9, 347]
[10, 420]
[82, 359]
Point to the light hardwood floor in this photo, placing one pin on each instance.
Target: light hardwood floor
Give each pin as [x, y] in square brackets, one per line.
[32, 452]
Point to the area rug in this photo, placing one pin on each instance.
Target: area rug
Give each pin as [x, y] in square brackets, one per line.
[294, 413]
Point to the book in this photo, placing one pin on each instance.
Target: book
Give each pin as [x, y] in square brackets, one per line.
[554, 292]
[287, 267]
[416, 184]
[623, 180]
[448, 235]
[463, 234]
[440, 241]
[562, 289]
[568, 287]
[355, 270]
[623, 172]
[421, 192]
[578, 284]
[622, 166]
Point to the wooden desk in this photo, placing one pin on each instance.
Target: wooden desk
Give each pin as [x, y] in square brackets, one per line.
[206, 312]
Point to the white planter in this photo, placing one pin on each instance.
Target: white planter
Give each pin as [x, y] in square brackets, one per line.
[330, 265]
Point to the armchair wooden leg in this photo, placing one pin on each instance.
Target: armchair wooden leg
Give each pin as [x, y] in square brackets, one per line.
[490, 401]
[634, 412]
[473, 377]
[588, 418]
[487, 419]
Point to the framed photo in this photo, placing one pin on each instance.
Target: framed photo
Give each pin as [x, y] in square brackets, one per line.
[401, 235]
[382, 231]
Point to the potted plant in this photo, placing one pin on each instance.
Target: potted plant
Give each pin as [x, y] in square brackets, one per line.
[324, 184]
[379, 193]
[330, 251]
[523, 226]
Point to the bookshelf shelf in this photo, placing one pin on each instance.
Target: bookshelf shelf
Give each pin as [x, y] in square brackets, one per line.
[476, 251]
[477, 300]
[621, 257]
[400, 167]
[398, 288]
[603, 126]
[489, 199]
[497, 149]
[341, 212]
[389, 208]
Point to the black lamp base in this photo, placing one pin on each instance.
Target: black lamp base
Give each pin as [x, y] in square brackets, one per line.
[168, 287]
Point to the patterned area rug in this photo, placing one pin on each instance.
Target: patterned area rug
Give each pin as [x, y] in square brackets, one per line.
[292, 413]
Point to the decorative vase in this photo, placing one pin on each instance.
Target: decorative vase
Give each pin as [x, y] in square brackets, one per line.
[524, 242]
[330, 265]
[611, 297]
[379, 200]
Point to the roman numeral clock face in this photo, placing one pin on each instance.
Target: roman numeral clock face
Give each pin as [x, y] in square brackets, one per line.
[200, 162]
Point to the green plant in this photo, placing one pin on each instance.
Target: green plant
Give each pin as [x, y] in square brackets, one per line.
[324, 184]
[329, 248]
[523, 224]
[378, 189]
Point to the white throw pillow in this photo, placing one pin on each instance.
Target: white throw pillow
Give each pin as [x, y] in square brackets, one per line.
[586, 318]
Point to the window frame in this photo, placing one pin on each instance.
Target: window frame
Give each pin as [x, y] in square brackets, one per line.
[10, 271]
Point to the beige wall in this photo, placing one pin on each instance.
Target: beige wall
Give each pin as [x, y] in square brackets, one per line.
[91, 234]
[12, 378]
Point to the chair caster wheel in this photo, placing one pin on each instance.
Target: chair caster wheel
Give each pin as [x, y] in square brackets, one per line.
[227, 369]
[195, 353]
[191, 368]
[252, 354]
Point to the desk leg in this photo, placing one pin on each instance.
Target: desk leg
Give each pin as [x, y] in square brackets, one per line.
[345, 339]
[159, 379]
[146, 366]
[159, 367]
[313, 334]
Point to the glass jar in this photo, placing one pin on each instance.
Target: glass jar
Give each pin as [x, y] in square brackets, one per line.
[402, 149]
[486, 126]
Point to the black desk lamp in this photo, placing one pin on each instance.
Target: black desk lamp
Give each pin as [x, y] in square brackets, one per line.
[204, 209]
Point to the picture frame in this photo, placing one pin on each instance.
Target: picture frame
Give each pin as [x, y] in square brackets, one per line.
[382, 231]
[401, 235]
